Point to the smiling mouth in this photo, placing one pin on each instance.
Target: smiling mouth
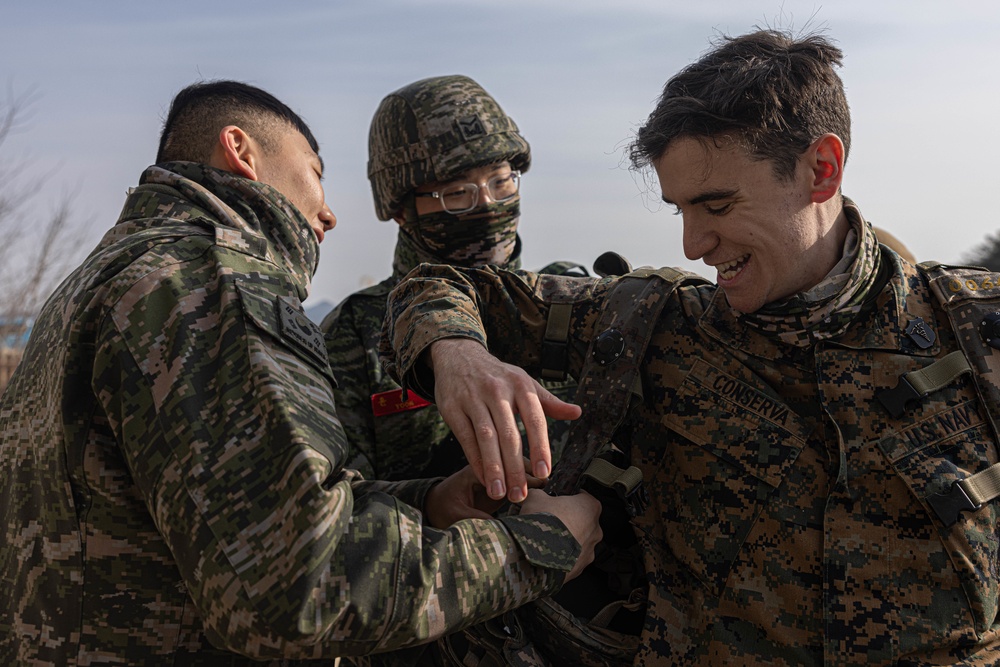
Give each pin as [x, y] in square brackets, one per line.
[729, 270]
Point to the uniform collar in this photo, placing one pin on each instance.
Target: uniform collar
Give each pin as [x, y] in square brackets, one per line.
[898, 301]
[198, 193]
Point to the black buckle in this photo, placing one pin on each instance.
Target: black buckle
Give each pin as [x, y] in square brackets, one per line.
[895, 399]
[636, 501]
[949, 504]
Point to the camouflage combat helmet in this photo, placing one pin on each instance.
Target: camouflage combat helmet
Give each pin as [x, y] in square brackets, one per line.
[433, 130]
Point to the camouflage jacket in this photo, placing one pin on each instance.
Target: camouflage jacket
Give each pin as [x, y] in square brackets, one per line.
[788, 521]
[389, 438]
[172, 488]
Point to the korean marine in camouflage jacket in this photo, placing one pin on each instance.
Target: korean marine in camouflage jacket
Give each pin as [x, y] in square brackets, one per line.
[428, 132]
[789, 521]
[172, 488]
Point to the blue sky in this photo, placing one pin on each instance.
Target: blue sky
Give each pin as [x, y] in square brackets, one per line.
[578, 77]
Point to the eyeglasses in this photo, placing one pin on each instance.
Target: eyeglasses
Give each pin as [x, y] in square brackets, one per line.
[462, 197]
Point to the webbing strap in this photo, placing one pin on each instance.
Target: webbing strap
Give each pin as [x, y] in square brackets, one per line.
[632, 308]
[984, 486]
[919, 383]
[555, 351]
[940, 374]
[967, 495]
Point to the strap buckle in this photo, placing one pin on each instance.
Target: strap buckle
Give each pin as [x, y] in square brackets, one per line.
[916, 384]
[636, 501]
[894, 400]
[948, 505]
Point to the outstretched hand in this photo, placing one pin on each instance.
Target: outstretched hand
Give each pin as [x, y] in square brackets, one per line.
[480, 398]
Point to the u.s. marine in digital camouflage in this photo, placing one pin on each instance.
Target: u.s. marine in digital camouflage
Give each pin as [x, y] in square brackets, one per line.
[172, 488]
[793, 513]
[788, 521]
[423, 137]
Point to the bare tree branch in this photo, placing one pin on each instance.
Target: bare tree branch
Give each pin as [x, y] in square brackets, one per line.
[37, 247]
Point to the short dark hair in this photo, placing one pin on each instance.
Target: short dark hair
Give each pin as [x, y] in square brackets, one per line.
[773, 93]
[199, 112]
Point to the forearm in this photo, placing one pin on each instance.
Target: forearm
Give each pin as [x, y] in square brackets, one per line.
[228, 432]
[504, 311]
[371, 577]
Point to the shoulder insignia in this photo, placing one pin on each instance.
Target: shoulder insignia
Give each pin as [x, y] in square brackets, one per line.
[921, 333]
[299, 329]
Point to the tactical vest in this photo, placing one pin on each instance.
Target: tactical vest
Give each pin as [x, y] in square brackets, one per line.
[971, 298]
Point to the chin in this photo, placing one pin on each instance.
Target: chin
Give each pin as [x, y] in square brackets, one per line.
[743, 306]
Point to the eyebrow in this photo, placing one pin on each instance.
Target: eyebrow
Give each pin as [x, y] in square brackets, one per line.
[711, 195]
[497, 167]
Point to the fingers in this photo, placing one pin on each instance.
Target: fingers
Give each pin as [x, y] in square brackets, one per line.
[484, 422]
[534, 482]
[511, 452]
[461, 426]
[495, 440]
[481, 399]
[476, 432]
[533, 410]
[556, 408]
[536, 429]
[458, 497]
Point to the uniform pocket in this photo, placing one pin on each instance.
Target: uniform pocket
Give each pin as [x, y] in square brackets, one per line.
[283, 319]
[743, 443]
[288, 360]
[947, 443]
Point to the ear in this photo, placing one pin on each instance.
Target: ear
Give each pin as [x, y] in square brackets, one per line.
[236, 152]
[826, 156]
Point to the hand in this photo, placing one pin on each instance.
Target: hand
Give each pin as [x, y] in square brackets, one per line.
[479, 396]
[462, 496]
[580, 513]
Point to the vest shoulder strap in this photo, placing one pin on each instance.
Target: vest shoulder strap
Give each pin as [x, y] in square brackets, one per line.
[971, 298]
[610, 375]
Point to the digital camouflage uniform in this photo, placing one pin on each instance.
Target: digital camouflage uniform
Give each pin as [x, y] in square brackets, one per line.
[789, 520]
[429, 131]
[173, 489]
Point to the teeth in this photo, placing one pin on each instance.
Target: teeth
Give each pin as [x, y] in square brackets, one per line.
[729, 269]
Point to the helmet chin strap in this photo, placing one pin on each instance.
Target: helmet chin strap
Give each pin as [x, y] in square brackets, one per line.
[409, 209]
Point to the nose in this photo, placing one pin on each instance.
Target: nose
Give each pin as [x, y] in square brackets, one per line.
[327, 218]
[483, 195]
[699, 240]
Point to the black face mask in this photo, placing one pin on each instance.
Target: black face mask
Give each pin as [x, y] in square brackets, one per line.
[484, 235]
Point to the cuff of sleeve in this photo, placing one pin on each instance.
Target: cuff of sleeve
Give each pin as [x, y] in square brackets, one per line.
[544, 540]
[419, 377]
